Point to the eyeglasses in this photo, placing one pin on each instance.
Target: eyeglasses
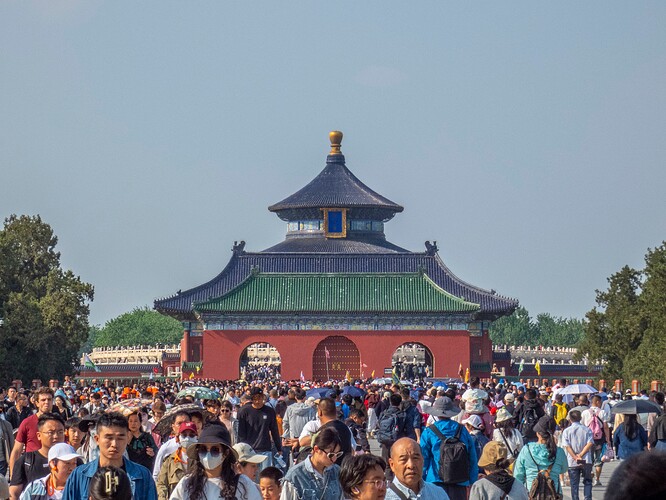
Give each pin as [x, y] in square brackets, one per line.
[334, 456]
[379, 483]
[53, 433]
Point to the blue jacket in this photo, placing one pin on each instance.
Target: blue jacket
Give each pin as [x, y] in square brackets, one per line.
[430, 448]
[143, 486]
[627, 447]
[525, 469]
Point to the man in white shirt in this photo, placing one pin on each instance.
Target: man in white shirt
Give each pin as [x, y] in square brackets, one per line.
[596, 411]
[578, 443]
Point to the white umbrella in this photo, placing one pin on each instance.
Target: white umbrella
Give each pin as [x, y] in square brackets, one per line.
[577, 389]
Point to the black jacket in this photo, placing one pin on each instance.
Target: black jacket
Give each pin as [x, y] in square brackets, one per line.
[526, 406]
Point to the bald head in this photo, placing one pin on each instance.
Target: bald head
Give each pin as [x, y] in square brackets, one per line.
[407, 463]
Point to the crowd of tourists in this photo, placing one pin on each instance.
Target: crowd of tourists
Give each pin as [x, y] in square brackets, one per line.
[274, 439]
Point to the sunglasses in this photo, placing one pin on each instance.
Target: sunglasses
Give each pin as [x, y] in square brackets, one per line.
[334, 456]
[215, 451]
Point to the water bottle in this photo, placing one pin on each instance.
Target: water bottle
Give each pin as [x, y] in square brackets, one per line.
[279, 461]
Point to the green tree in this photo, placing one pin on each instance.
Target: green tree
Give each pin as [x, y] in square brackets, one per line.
[516, 329]
[44, 309]
[139, 327]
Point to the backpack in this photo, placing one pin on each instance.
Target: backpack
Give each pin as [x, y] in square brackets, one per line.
[596, 426]
[560, 412]
[543, 487]
[527, 423]
[390, 427]
[453, 457]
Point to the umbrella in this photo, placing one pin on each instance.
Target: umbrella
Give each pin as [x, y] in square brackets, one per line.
[318, 392]
[439, 384]
[127, 406]
[578, 389]
[164, 425]
[199, 393]
[636, 406]
[381, 381]
[354, 392]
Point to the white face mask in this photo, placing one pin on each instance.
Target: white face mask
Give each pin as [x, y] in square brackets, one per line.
[210, 462]
[187, 441]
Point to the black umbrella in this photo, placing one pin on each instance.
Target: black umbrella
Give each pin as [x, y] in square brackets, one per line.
[636, 406]
[164, 425]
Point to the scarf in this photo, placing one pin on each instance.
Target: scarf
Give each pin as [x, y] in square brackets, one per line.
[502, 479]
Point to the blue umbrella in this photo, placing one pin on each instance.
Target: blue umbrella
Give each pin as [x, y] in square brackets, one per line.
[441, 384]
[353, 391]
[318, 392]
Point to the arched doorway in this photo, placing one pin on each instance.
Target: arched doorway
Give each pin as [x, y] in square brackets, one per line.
[260, 361]
[413, 360]
[334, 357]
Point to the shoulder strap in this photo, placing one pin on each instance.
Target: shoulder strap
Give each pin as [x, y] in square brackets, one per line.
[439, 433]
[459, 432]
[505, 441]
[397, 491]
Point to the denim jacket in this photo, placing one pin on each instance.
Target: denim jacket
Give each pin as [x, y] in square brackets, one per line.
[143, 486]
[302, 477]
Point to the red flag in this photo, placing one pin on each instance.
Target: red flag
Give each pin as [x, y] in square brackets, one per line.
[328, 354]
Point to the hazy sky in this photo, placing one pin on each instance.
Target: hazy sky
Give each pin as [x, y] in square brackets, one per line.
[527, 138]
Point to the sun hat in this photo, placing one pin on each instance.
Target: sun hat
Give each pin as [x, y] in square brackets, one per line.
[442, 407]
[213, 434]
[247, 454]
[503, 415]
[474, 420]
[62, 451]
[492, 452]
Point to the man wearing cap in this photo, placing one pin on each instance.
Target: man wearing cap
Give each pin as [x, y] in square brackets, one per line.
[62, 460]
[498, 482]
[442, 410]
[257, 426]
[248, 460]
[509, 403]
[174, 467]
[112, 437]
[171, 444]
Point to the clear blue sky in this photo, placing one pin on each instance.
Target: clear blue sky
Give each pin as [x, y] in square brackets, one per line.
[526, 138]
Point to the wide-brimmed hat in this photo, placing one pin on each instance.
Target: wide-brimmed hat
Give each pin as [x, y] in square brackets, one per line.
[492, 452]
[442, 407]
[246, 453]
[212, 434]
[503, 415]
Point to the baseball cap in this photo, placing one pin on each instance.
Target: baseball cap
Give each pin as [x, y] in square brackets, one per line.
[62, 451]
[247, 454]
[188, 426]
[474, 420]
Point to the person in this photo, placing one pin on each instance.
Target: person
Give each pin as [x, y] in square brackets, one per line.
[257, 426]
[60, 406]
[112, 436]
[270, 480]
[356, 424]
[157, 410]
[597, 420]
[390, 426]
[141, 448]
[212, 470]
[26, 437]
[407, 464]
[641, 476]
[248, 460]
[6, 444]
[541, 455]
[110, 483]
[227, 418]
[657, 435]
[19, 412]
[474, 426]
[316, 477]
[578, 442]
[510, 402]
[497, 484]
[62, 460]
[630, 437]
[362, 477]
[560, 409]
[413, 418]
[527, 415]
[443, 410]
[327, 417]
[295, 417]
[35, 464]
[174, 467]
[171, 444]
[73, 434]
[505, 433]
[95, 404]
[88, 449]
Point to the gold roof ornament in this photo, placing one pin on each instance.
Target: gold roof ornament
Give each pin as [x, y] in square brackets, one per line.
[336, 140]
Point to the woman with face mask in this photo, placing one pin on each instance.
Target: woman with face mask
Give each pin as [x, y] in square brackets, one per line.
[174, 467]
[212, 470]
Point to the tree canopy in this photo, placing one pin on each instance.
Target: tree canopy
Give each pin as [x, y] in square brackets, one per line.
[44, 308]
[520, 329]
[627, 328]
[138, 327]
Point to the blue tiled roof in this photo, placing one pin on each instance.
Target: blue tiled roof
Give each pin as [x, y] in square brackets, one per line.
[241, 264]
[335, 187]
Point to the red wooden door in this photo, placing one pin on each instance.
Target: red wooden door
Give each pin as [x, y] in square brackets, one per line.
[343, 357]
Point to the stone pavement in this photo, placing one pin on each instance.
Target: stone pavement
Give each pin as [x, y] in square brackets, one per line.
[598, 492]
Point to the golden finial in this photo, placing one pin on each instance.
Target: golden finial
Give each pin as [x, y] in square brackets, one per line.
[336, 139]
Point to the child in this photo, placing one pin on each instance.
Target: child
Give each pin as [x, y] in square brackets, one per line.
[269, 483]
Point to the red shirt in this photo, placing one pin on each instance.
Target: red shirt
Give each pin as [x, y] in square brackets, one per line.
[27, 434]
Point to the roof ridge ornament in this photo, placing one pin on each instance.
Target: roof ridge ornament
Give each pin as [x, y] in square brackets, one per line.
[335, 137]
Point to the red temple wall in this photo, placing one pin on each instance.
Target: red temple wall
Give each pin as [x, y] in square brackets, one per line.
[223, 348]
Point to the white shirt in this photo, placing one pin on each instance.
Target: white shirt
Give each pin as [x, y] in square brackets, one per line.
[577, 436]
[246, 489]
[515, 441]
[600, 412]
[310, 428]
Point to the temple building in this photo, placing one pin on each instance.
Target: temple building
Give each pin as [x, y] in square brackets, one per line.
[336, 297]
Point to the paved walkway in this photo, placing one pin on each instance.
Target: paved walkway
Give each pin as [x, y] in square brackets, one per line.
[598, 492]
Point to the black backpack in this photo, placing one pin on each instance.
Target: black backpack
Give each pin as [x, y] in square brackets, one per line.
[390, 427]
[527, 422]
[453, 457]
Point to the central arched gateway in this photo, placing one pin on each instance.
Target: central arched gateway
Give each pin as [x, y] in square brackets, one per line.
[334, 357]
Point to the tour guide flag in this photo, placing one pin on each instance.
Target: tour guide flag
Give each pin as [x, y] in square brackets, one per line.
[394, 377]
[467, 375]
[520, 367]
[537, 367]
[87, 362]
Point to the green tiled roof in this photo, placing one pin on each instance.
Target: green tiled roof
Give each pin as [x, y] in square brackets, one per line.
[336, 293]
